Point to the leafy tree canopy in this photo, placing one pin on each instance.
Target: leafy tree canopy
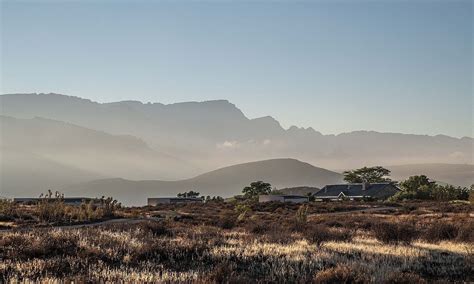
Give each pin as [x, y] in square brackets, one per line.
[256, 188]
[422, 188]
[191, 193]
[366, 174]
[414, 183]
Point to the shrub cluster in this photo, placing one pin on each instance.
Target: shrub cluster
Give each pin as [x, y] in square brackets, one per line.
[422, 188]
[342, 273]
[55, 210]
[318, 234]
[395, 233]
[443, 231]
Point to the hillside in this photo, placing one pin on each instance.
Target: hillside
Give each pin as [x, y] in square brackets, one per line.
[38, 154]
[27, 174]
[228, 181]
[213, 134]
[455, 174]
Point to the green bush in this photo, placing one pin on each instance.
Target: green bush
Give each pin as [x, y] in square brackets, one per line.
[422, 188]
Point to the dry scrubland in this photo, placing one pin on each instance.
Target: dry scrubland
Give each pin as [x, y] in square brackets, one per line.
[220, 242]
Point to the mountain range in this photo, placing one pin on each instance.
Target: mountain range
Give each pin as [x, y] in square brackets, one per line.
[215, 134]
[80, 146]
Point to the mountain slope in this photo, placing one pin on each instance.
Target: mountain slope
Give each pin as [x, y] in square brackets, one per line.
[216, 133]
[38, 153]
[24, 174]
[455, 174]
[224, 182]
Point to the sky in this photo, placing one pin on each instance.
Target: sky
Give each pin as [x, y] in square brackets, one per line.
[337, 66]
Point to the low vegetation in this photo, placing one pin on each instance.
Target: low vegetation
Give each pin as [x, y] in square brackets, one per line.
[243, 241]
[51, 209]
[217, 242]
[422, 188]
[418, 187]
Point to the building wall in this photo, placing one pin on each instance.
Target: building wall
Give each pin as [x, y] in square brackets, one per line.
[269, 198]
[156, 201]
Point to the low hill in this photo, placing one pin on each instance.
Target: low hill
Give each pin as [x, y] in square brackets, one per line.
[455, 174]
[225, 182]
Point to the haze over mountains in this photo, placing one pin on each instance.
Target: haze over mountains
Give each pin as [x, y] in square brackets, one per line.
[65, 154]
[226, 182]
[58, 140]
[214, 134]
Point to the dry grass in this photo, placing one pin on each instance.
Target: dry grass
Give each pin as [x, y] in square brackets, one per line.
[263, 247]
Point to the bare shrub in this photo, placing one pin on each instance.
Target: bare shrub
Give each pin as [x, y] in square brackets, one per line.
[404, 278]
[440, 231]
[395, 233]
[155, 228]
[258, 228]
[108, 206]
[301, 215]
[226, 222]
[7, 207]
[466, 232]
[43, 245]
[221, 273]
[342, 273]
[317, 234]
[226, 273]
[51, 208]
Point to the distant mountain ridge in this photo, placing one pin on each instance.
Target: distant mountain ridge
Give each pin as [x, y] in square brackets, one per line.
[225, 182]
[213, 134]
[38, 154]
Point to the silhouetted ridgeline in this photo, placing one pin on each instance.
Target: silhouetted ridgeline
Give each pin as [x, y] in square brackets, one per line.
[213, 134]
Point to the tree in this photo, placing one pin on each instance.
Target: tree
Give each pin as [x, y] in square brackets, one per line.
[189, 194]
[214, 199]
[365, 174]
[422, 188]
[256, 188]
[414, 183]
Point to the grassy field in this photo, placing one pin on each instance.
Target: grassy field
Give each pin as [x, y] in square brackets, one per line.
[221, 242]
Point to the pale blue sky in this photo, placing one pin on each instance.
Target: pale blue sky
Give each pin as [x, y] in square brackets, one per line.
[338, 66]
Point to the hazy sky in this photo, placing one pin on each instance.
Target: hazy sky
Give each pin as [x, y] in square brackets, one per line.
[395, 66]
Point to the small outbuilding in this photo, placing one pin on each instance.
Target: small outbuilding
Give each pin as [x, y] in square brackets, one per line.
[357, 191]
[283, 198]
[171, 200]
